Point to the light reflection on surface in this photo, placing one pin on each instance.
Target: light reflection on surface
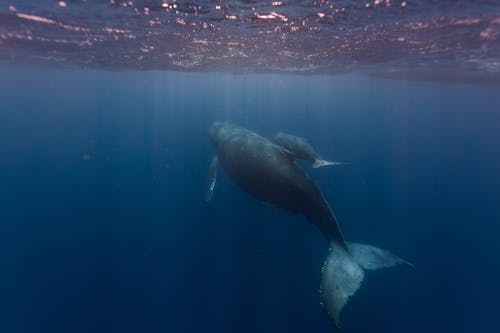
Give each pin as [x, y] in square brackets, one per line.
[321, 36]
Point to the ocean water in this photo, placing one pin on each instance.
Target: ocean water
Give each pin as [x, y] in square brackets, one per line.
[103, 225]
[104, 151]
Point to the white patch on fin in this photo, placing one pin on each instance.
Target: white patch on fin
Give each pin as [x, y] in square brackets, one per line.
[322, 163]
[211, 179]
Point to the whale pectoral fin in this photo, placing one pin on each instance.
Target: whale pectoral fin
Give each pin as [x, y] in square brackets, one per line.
[211, 179]
[342, 273]
[322, 163]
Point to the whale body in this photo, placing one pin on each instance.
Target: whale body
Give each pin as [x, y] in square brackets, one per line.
[269, 173]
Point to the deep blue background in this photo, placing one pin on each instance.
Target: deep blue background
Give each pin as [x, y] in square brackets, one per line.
[103, 227]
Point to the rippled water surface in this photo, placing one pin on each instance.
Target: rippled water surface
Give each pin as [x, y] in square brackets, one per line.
[428, 39]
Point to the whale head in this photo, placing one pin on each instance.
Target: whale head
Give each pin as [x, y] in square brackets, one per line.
[220, 132]
[214, 129]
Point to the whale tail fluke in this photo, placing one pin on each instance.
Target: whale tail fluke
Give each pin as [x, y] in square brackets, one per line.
[322, 163]
[342, 274]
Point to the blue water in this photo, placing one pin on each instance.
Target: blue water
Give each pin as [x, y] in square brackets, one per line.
[103, 227]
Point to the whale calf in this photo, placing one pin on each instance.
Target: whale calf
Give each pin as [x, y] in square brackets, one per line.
[269, 173]
[301, 149]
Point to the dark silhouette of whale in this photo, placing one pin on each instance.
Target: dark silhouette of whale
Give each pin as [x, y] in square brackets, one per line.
[269, 172]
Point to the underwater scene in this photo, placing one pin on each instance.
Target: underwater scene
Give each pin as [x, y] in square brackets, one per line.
[249, 166]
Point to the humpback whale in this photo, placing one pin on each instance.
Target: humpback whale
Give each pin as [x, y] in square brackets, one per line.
[269, 172]
[301, 149]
